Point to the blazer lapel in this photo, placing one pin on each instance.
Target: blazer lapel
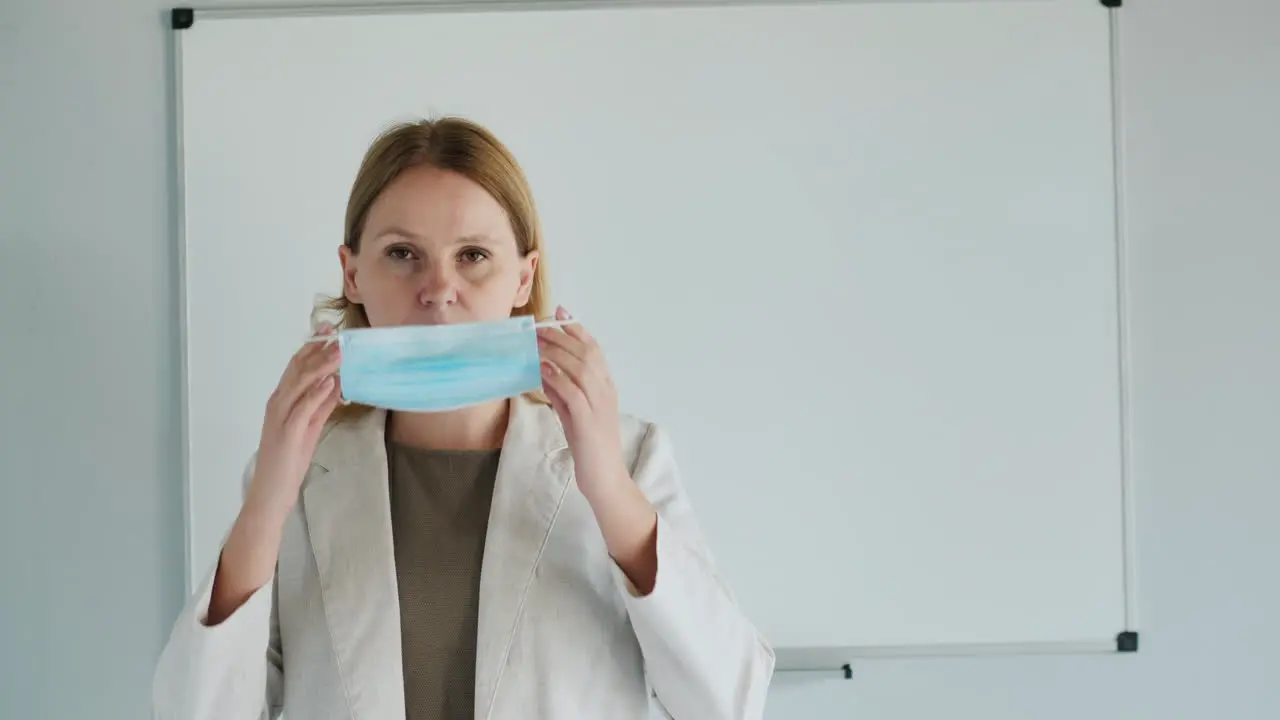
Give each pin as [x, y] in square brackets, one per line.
[347, 508]
[533, 476]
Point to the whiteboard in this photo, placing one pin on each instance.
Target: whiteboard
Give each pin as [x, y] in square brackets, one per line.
[860, 259]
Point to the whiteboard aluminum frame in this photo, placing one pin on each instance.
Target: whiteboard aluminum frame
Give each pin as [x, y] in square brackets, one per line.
[228, 12]
[789, 659]
[1125, 340]
[184, 314]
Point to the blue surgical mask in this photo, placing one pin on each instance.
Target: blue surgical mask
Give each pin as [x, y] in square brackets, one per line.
[432, 368]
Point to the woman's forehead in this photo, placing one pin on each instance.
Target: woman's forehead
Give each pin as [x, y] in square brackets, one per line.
[434, 207]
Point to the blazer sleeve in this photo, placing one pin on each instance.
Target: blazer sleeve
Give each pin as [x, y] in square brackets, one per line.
[704, 658]
[229, 671]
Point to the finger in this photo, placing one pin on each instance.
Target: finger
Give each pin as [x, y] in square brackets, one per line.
[590, 358]
[557, 403]
[571, 396]
[325, 363]
[316, 395]
[575, 330]
[564, 395]
[558, 337]
[326, 409]
[574, 367]
[312, 345]
[300, 360]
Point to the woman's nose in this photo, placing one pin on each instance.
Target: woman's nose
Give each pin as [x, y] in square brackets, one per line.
[439, 286]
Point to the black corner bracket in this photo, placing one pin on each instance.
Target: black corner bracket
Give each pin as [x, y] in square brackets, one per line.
[181, 18]
[848, 671]
[1111, 3]
[1127, 641]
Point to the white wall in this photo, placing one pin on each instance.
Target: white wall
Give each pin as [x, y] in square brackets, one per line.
[90, 537]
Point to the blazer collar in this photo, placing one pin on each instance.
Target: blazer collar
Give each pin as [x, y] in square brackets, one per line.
[347, 507]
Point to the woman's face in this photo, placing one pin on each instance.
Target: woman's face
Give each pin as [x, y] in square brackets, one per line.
[437, 249]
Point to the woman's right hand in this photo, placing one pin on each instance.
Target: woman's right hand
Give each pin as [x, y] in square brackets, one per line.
[305, 397]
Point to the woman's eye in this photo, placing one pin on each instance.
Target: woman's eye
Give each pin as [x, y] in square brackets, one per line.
[473, 256]
[400, 253]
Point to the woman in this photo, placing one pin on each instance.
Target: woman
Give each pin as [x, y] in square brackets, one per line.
[532, 557]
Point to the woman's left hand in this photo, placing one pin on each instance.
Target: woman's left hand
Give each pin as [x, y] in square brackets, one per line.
[576, 379]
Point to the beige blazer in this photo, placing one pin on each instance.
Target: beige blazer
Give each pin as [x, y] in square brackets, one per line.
[561, 633]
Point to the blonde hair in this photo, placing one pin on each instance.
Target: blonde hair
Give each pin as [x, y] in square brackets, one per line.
[457, 145]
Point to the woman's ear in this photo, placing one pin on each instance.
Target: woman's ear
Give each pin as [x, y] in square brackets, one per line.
[348, 259]
[528, 271]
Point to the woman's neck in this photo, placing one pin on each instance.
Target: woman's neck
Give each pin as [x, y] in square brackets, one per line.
[480, 427]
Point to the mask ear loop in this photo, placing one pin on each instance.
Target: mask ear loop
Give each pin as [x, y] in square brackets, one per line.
[321, 338]
[555, 323]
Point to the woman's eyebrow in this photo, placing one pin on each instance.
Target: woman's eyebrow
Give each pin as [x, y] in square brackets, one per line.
[396, 230]
[474, 238]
